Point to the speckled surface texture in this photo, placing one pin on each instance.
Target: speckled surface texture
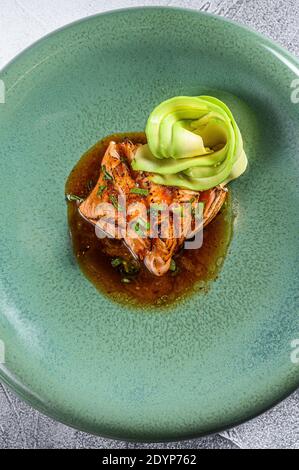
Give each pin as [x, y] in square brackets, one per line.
[21, 426]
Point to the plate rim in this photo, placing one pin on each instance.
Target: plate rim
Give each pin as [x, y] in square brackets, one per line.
[241, 27]
[29, 399]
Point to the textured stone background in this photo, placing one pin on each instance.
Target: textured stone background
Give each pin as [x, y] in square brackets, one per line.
[23, 22]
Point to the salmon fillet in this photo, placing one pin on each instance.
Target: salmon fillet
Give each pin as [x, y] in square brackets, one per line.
[123, 199]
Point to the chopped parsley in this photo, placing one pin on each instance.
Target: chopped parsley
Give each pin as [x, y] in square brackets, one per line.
[107, 175]
[179, 210]
[116, 262]
[114, 201]
[141, 226]
[157, 207]
[101, 188]
[172, 265]
[174, 268]
[140, 191]
[127, 268]
[137, 227]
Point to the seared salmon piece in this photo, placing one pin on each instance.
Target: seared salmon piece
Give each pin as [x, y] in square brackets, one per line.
[122, 200]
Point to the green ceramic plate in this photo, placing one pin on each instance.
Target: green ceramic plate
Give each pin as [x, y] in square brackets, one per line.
[212, 361]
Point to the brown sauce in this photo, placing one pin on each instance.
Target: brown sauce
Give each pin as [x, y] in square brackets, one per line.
[195, 268]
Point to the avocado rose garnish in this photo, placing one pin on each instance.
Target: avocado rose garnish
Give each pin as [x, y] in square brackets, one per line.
[193, 142]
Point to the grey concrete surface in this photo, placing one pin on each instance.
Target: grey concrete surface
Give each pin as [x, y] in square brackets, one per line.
[21, 23]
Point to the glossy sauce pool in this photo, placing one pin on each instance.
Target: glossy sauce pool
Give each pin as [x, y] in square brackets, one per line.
[195, 268]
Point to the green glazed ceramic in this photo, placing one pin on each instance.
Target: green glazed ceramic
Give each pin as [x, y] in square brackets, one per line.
[213, 360]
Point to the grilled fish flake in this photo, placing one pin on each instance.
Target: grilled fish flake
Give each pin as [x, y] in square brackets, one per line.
[122, 199]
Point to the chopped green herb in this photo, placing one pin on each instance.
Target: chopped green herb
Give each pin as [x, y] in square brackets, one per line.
[73, 197]
[141, 225]
[107, 175]
[116, 262]
[114, 201]
[140, 191]
[127, 267]
[101, 188]
[174, 268]
[157, 207]
[172, 265]
[131, 267]
[126, 280]
[139, 229]
[175, 272]
[195, 212]
[179, 210]
[143, 222]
